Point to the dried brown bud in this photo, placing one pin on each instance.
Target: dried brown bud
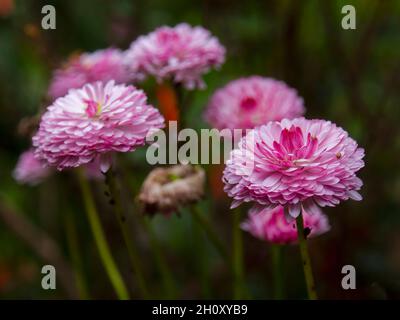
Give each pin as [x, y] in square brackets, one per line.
[167, 189]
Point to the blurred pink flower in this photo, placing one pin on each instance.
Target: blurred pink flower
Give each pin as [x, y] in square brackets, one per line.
[294, 163]
[89, 123]
[101, 65]
[182, 54]
[248, 102]
[271, 225]
[29, 170]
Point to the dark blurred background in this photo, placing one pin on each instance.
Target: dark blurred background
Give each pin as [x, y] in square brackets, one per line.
[350, 77]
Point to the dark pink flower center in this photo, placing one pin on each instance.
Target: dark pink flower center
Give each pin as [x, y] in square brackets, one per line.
[293, 147]
[93, 108]
[248, 103]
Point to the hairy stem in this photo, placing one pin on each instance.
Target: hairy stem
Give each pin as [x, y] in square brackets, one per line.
[133, 255]
[305, 258]
[100, 239]
[159, 256]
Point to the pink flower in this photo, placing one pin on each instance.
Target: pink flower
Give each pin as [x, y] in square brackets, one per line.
[92, 122]
[182, 54]
[29, 170]
[294, 163]
[248, 102]
[271, 225]
[101, 65]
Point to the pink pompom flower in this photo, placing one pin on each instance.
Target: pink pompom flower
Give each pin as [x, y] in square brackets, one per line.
[181, 53]
[29, 170]
[271, 225]
[248, 102]
[101, 65]
[92, 122]
[295, 163]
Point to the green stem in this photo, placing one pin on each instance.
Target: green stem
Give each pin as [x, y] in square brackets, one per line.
[100, 239]
[237, 257]
[276, 251]
[305, 257]
[73, 247]
[133, 255]
[212, 236]
[162, 266]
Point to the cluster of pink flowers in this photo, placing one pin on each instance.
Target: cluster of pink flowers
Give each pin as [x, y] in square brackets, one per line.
[91, 122]
[182, 54]
[295, 163]
[271, 225]
[285, 164]
[249, 102]
[95, 113]
[101, 65]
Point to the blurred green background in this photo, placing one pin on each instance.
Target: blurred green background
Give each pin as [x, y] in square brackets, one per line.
[351, 77]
